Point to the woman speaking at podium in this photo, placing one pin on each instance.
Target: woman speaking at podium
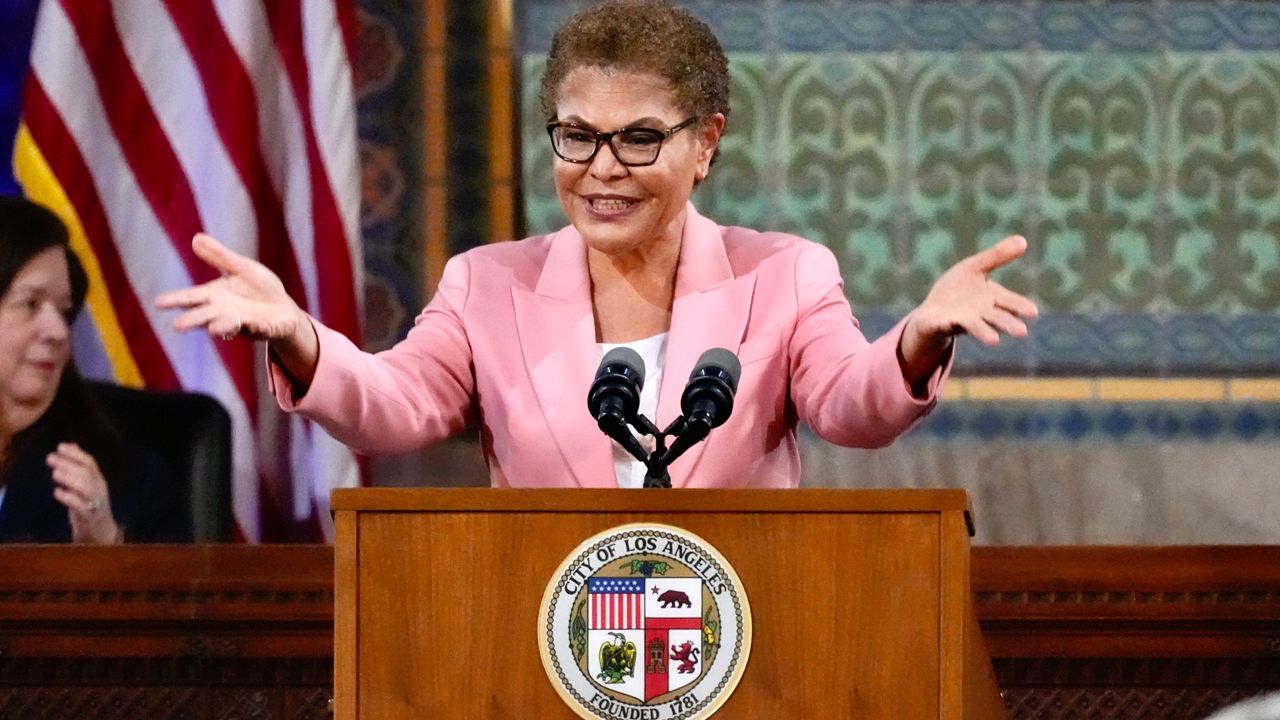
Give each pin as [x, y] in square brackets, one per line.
[636, 97]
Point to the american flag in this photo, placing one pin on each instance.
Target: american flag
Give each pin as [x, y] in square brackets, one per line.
[616, 603]
[146, 121]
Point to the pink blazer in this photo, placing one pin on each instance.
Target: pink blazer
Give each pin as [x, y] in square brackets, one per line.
[509, 342]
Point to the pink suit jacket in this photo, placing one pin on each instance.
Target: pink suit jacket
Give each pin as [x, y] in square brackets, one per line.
[509, 342]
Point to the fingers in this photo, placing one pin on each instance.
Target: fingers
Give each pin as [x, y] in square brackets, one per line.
[986, 320]
[248, 300]
[965, 300]
[212, 306]
[91, 520]
[224, 328]
[218, 256]
[78, 504]
[1005, 322]
[217, 323]
[200, 317]
[987, 324]
[81, 486]
[976, 327]
[987, 328]
[1000, 254]
[188, 297]
[1013, 302]
[76, 467]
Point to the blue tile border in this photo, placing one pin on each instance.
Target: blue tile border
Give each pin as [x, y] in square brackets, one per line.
[1101, 422]
[882, 26]
[1134, 343]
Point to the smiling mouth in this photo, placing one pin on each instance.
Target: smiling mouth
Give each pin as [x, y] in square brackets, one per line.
[610, 204]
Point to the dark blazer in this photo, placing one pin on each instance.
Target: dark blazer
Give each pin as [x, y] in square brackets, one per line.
[29, 512]
[143, 501]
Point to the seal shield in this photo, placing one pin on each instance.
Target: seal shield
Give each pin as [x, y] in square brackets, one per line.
[644, 621]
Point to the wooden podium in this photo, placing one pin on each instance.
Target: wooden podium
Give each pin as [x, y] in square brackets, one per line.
[860, 599]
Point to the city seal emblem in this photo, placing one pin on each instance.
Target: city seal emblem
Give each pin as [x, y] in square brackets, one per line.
[644, 622]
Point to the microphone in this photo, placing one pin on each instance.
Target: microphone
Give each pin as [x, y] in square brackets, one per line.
[614, 398]
[707, 400]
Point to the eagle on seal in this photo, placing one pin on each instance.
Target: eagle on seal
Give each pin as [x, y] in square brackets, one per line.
[617, 659]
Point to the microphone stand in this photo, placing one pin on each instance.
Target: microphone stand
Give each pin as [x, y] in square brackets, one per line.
[614, 396]
[656, 475]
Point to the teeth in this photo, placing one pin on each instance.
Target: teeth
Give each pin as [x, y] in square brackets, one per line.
[611, 204]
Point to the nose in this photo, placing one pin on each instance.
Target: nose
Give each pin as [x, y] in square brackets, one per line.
[606, 164]
[53, 324]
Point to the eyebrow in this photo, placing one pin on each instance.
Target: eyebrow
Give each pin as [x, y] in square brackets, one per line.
[578, 120]
[38, 289]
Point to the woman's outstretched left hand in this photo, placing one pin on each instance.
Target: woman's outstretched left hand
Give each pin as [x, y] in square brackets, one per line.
[965, 300]
[248, 300]
[83, 490]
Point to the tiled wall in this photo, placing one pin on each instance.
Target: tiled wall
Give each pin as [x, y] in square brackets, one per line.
[1137, 145]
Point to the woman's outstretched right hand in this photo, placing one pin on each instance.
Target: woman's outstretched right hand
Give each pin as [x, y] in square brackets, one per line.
[248, 300]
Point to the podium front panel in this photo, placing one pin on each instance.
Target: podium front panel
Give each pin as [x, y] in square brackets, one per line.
[442, 603]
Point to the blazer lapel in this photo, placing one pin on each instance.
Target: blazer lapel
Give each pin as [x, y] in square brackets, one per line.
[710, 310]
[556, 329]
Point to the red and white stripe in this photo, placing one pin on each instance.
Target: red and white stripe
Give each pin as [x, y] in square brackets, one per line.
[617, 611]
[233, 117]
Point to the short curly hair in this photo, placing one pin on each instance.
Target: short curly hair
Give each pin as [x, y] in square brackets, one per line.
[650, 36]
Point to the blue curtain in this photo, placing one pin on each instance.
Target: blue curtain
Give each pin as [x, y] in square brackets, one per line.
[15, 46]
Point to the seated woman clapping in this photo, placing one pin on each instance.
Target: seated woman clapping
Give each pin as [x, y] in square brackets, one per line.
[56, 454]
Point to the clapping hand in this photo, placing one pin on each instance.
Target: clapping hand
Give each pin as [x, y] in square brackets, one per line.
[80, 486]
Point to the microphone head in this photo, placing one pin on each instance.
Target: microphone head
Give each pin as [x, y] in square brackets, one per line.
[617, 386]
[723, 361]
[630, 361]
[709, 395]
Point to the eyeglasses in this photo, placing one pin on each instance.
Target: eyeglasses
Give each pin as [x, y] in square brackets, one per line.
[634, 147]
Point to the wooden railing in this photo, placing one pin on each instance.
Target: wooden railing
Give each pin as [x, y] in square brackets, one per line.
[246, 631]
[166, 632]
[1132, 632]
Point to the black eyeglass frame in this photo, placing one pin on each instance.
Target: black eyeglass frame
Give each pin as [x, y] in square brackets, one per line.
[602, 138]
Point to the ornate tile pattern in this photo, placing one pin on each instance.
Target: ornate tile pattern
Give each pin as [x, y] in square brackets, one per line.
[388, 112]
[1137, 145]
